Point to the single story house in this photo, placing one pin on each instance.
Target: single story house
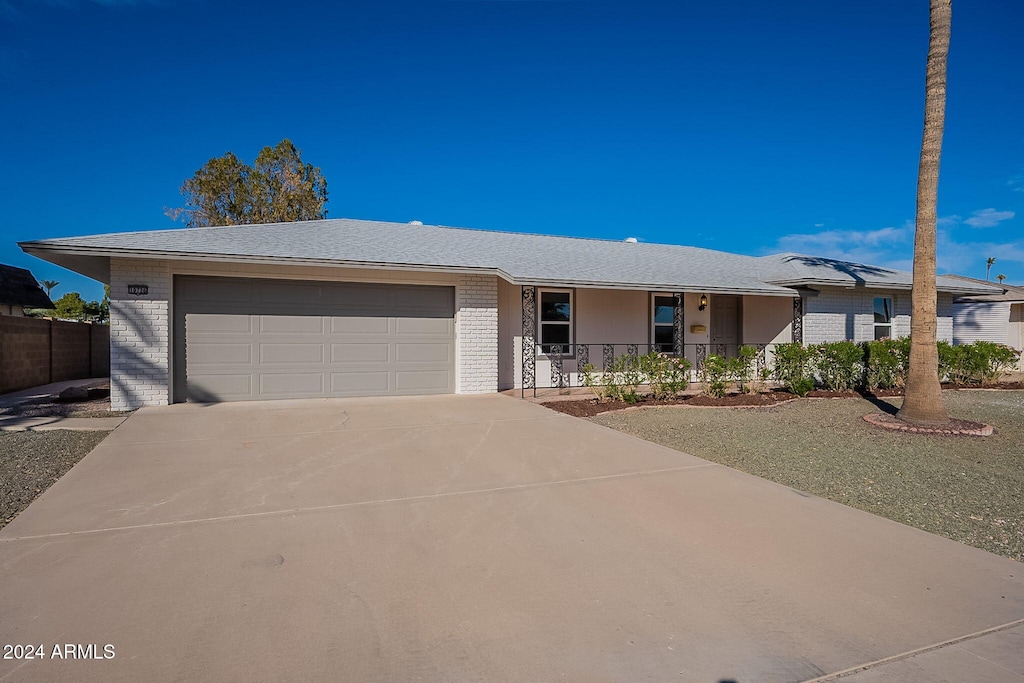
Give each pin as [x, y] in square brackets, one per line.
[353, 308]
[19, 290]
[996, 317]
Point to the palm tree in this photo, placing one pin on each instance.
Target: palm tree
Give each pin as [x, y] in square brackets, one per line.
[48, 285]
[1000, 277]
[988, 265]
[922, 404]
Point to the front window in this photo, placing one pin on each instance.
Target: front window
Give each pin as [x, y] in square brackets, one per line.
[883, 317]
[555, 321]
[663, 323]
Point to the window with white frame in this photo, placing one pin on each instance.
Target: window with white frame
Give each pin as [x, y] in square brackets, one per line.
[663, 313]
[554, 313]
[883, 317]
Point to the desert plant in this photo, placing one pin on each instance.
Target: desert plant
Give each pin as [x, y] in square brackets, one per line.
[741, 368]
[623, 376]
[594, 381]
[839, 365]
[667, 376]
[885, 363]
[793, 368]
[714, 375]
[975, 363]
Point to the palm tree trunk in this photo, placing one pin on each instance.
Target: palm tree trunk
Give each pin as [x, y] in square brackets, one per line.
[922, 404]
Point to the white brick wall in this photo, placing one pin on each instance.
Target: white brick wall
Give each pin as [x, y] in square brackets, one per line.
[837, 314]
[477, 332]
[139, 333]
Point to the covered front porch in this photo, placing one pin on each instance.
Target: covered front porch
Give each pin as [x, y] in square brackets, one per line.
[547, 335]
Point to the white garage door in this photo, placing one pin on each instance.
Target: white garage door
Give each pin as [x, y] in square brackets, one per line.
[249, 339]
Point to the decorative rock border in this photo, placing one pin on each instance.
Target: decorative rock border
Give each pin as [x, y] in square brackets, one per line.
[954, 428]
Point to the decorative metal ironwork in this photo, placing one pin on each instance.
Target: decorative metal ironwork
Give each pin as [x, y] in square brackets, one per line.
[632, 350]
[609, 356]
[761, 360]
[701, 356]
[557, 356]
[722, 350]
[529, 340]
[677, 325]
[582, 355]
[798, 319]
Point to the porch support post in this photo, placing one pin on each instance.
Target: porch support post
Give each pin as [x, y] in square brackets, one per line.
[529, 340]
[798, 319]
[677, 325]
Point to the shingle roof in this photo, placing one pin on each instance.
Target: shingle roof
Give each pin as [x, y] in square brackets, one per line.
[1010, 293]
[521, 258]
[19, 288]
[803, 270]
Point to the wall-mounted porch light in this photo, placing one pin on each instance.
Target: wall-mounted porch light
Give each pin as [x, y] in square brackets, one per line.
[703, 302]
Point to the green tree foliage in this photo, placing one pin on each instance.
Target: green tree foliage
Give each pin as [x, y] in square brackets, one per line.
[277, 188]
[71, 306]
[48, 285]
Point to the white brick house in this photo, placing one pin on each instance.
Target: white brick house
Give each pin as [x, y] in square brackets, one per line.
[352, 308]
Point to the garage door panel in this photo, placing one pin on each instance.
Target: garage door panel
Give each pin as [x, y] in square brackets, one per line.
[361, 353]
[287, 384]
[422, 381]
[291, 324]
[291, 353]
[361, 383]
[360, 325]
[424, 326]
[266, 339]
[201, 353]
[221, 387]
[218, 324]
[424, 353]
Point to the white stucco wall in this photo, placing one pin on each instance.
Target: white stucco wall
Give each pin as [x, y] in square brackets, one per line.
[840, 313]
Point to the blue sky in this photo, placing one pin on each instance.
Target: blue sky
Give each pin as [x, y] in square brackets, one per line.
[739, 125]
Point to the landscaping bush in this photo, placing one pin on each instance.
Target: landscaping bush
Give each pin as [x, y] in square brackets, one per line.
[741, 368]
[714, 375]
[975, 363]
[839, 365]
[793, 366]
[622, 377]
[886, 362]
[594, 381]
[667, 376]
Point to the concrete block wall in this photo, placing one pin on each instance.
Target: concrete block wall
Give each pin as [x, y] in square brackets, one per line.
[477, 334]
[139, 334]
[70, 353]
[839, 313]
[24, 353]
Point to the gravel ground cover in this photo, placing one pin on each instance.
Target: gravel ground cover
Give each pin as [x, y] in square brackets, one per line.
[969, 489]
[31, 461]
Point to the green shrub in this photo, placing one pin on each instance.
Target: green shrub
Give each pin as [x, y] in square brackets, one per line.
[714, 375]
[975, 363]
[622, 378]
[793, 366]
[741, 368]
[666, 375]
[594, 381]
[839, 365]
[886, 362]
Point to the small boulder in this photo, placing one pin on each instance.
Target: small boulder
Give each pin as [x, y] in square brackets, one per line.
[72, 394]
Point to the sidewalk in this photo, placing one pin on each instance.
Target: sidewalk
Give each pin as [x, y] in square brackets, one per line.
[18, 423]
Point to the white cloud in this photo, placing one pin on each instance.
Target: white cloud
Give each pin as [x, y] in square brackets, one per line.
[1016, 183]
[876, 247]
[819, 225]
[988, 218]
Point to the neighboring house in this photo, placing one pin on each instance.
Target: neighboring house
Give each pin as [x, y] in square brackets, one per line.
[19, 290]
[354, 308]
[997, 317]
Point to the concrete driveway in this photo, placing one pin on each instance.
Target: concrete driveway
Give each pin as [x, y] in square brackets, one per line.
[472, 539]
